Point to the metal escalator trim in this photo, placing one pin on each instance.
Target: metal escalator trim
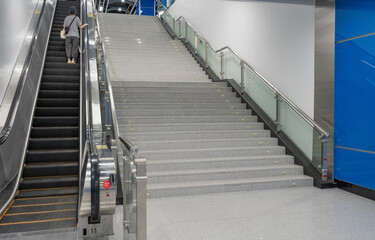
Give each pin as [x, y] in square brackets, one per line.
[41, 212]
[59, 196]
[44, 204]
[5, 212]
[39, 221]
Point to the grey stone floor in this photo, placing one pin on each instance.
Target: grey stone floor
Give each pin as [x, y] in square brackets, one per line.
[286, 214]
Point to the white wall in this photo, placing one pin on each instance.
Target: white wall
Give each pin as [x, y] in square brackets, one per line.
[276, 37]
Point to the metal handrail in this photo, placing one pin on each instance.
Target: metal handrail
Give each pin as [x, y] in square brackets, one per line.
[310, 121]
[130, 147]
[17, 95]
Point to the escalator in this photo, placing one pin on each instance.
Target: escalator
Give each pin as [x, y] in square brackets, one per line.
[48, 192]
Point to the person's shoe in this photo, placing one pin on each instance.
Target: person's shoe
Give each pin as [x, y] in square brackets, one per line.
[69, 61]
[73, 61]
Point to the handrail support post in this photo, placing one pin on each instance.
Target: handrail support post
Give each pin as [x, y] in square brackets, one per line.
[195, 43]
[242, 77]
[324, 158]
[206, 55]
[278, 125]
[222, 65]
[186, 36]
[141, 180]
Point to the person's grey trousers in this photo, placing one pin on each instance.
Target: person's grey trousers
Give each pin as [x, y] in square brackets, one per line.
[71, 47]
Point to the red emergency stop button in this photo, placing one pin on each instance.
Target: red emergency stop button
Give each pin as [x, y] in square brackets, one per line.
[106, 184]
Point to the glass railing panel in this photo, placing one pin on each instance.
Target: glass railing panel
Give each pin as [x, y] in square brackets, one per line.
[300, 132]
[190, 36]
[182, 28]
[260, 93]
[169, 20]
[214, 61]
[176, 28]
[201, 47]
[232, 67]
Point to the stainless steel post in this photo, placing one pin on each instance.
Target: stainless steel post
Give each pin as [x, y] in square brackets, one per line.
[278, 125]
[242, 77]
[222, 65]
[324, 158]
[186, 37]
[141, 180]
[206, 55]
[195, 42]
[174, 27]
[179, 29]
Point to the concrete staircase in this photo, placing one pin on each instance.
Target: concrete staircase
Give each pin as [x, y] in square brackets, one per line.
[202, 144]
[197, 136]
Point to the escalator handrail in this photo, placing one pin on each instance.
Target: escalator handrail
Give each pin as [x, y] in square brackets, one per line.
[301, 113]
[5, 131]
[87, 121]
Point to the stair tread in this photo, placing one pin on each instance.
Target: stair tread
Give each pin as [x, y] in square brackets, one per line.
[197, 160]
[211, 149]
[220, 170]
[156, 186]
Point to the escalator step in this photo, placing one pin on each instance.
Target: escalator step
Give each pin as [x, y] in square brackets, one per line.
[50, 169]
[45, 132]
[61, 59]
[56, 111]
[47, 192]
[55, 121]
[49, 182]
[57, 43]
[38, 156]
[55, 53]
[53, 143]
[65, 79]
[68, 71]
[56, 102]
[59, 86]
[36, 225]
[53, 65]
[55, 200]
[58, 94]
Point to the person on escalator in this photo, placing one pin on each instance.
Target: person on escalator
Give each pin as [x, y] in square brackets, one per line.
[72, 24]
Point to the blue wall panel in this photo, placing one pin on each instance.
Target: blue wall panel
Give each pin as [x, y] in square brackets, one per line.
[355, 167]
[147, 7]
[354, 18]
[355, 93]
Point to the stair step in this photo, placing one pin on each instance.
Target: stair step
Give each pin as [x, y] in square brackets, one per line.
[147, 100]
[55, 121]
[47, 192]
[55, 102]
[190, 135]
[49, 132]
[49, 182]
[59, 86]
[205, 143]
[182, 112]
[143, 128]
[179, 106]
[53, 143]
[233, 185]
[222, 173]
[213, 163]
[185, 119]
[175, 94]
[212, 152]
[143, 90]
[56, 111]
[58, 94]
[116, 84]
[50, 169]
[61, 155]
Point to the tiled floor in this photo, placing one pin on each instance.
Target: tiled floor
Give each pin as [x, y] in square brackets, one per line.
[285, 214]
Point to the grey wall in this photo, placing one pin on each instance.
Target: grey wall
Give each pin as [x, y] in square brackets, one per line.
[15, 16]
